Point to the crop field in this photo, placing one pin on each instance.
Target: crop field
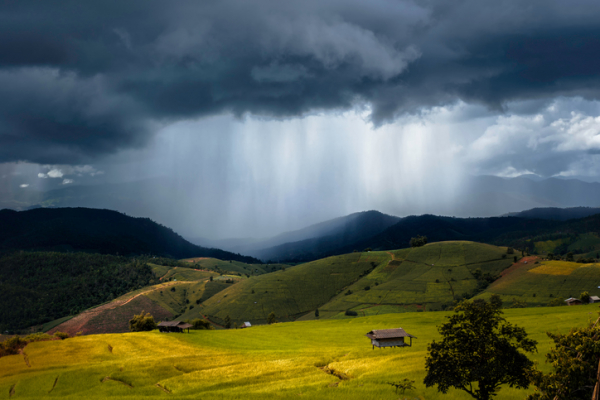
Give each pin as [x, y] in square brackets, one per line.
[423, 278]
[537, 282]
[326, 359]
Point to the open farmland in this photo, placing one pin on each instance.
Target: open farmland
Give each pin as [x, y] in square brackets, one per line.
[536, 282]
[282, 361]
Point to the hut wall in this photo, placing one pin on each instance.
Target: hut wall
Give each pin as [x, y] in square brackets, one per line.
[388, 342]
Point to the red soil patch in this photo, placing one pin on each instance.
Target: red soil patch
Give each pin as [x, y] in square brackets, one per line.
[112, 317]
[523, 262]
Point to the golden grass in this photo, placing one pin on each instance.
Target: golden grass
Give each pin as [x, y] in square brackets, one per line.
[279, 361]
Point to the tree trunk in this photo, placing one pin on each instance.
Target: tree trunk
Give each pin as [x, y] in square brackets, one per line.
[597, 387]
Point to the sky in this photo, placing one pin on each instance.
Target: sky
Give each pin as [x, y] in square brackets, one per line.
[266, 116]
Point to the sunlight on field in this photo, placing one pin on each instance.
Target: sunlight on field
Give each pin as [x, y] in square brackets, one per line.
[555, 268]
[278, 361]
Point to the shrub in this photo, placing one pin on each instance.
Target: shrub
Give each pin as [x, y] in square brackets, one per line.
[351, 313]
[142, 322]
[585, 297]
[12, 346]
[271, 319]
[418, 241]
[199, 323]
[367, 287]
[61, 335]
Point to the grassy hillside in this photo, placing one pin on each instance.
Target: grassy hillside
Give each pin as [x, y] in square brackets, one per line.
[292, 292]
[536, 282]
[428, 277]
[423, 278]
[282, 361]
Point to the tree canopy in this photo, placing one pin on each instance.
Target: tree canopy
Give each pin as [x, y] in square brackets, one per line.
[418, 241]
[142, 322]
[479, 352]
[575, 361]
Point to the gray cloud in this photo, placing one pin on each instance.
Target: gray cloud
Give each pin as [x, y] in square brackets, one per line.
[81, 81]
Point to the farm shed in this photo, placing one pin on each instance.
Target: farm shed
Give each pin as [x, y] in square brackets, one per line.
[173, 326]
[594, 299]
[389, 337]
[572, 301]
[245, 325]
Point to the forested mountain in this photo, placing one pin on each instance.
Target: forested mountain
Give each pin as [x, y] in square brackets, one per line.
[502, 231]
[38, 287]
[97, 231]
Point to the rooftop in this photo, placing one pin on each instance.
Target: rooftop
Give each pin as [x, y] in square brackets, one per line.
[388, 333]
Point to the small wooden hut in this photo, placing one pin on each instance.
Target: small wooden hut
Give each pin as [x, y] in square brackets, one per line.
[389, 337]
[174, 326]
[245, 325]
[573, 301]
[594, 299]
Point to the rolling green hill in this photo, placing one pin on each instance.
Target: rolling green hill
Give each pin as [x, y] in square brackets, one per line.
[428, 277]
[281, 361]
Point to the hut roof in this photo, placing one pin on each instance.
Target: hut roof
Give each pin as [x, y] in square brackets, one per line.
[179, 324]
[388, 333]
[595, 298]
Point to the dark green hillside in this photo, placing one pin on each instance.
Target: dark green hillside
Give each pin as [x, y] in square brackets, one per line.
[293, 292]
[39, 287]
[97, 231]
[231, 266]
[429, 277]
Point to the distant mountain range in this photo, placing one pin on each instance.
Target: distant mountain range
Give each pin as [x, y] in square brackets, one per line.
[97, 231]
[162, 200]
[378, 231]
[554, 213]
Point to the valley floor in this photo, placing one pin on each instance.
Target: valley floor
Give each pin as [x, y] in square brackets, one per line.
[325, 359]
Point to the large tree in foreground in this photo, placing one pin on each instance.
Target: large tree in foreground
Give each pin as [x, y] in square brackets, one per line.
[479, 352]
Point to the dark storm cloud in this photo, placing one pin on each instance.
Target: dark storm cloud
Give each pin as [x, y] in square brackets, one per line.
[80, 79]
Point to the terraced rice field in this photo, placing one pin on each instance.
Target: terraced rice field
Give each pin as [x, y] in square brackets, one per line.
[329, 359]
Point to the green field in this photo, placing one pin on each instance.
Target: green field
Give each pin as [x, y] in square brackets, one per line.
[423, 278]
[279, 361]
[233, 266]
[539, 282]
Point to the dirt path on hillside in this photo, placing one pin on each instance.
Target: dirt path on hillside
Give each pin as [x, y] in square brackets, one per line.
[78, 322]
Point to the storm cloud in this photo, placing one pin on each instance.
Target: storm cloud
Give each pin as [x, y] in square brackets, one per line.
[83, 80]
